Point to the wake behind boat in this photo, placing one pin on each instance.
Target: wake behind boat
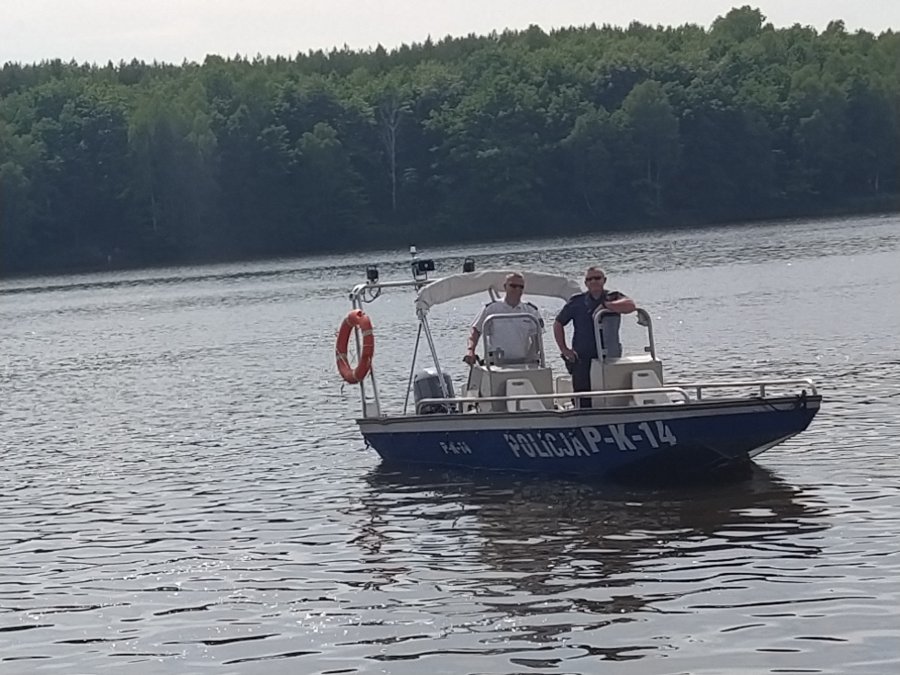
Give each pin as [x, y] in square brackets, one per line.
[515, 413]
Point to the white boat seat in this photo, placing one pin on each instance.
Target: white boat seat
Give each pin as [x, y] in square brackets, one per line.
[631, 359]
[647, 379]
[520, 386]
[512, 367]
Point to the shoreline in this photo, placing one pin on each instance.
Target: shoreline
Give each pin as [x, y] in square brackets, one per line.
[884, 206]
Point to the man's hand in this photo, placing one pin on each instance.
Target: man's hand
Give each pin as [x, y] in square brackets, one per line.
[622, 305]
[470, 358]
[569, 354]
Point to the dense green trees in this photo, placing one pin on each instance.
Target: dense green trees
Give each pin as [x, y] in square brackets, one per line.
[519, 133]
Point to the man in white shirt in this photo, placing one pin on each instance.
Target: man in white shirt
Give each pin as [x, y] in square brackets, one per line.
[513, 337]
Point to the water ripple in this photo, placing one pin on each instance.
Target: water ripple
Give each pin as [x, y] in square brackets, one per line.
[185, 490]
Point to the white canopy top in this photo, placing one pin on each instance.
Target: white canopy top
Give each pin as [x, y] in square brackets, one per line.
[469, 283]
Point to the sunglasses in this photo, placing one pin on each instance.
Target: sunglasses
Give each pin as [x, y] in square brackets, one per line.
[516, 285]
[594, 278]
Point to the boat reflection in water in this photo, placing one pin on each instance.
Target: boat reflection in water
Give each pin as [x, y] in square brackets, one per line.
[553, 557]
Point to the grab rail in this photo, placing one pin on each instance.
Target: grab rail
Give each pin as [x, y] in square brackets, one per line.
[491, 320]
[679, 390]
[518, 398]
[698, 387]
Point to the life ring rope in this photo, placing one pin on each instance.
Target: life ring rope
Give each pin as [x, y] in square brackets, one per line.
[358, 320]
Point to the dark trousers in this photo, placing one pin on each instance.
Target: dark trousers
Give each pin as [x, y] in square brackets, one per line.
[581, 378]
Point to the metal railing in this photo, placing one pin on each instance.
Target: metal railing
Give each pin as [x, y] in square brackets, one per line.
[679, 391]
[698, 387]
[460, 402]
[491, 321]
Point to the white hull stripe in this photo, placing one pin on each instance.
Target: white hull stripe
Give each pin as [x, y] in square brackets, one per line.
[524, 421]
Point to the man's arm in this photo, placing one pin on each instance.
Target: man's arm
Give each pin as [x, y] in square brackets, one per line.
[474, 335]
[620, 303]
[559, 334]
[566, 314]
[473, 341]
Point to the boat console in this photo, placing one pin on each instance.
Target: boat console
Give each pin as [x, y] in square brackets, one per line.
[513, 364]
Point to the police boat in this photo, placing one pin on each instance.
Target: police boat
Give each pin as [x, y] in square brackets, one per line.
[517, 413]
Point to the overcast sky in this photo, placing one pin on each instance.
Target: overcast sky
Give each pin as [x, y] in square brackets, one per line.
[174, 30]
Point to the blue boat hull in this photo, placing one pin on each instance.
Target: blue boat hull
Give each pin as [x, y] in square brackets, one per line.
[647, 442]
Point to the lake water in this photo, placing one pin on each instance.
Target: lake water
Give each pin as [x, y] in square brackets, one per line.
[185, 491]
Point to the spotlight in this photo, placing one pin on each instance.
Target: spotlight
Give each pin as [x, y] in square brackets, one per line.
[422, 267]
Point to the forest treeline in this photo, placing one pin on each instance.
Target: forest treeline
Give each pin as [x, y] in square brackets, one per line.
[521, 133]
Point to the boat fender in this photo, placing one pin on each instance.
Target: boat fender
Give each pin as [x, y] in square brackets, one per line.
[357, 319]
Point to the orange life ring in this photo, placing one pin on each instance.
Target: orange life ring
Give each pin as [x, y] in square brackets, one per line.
[358, 319]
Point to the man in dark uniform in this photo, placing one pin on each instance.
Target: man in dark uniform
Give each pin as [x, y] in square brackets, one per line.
[580, 311]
